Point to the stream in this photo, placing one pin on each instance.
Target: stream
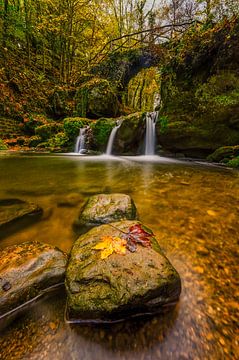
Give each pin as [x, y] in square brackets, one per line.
[192, 208]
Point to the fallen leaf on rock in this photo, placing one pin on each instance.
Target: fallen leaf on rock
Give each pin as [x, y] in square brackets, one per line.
[109, 245]
[137, 235]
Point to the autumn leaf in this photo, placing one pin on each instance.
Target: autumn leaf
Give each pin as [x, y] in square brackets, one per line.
[109, 245]
[137, 235]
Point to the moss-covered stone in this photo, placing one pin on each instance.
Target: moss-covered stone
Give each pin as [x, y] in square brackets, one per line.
[106, 208]
[101, 130]
[130, 136]
[26, 270]
[224, 154]
[120, 285]
[197, 141]
[96, 99]
[72, 126]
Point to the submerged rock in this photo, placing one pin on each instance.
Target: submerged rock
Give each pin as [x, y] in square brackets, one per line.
[119, 285]
[17, 212]
[106, 208]
[26, 270]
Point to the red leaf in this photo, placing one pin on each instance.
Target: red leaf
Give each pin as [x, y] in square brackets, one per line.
[137, 235]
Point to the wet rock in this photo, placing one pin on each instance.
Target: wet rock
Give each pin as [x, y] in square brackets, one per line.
[118, 286]
[224, 154]
[26, 270]
[106, 208]
[16, 212]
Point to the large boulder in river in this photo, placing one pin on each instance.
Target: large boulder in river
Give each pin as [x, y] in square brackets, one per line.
[16, 212]
[106, 208]
[122, 279]
[26, 270]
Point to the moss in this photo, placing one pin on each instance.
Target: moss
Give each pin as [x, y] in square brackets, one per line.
[46, 131]
[224, 154]
[2, 145]
[234, 162]
[58, 142]
[101, 130]
[73, 125]
[34, 141]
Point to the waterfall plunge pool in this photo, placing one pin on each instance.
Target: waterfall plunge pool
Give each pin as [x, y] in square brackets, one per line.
[192, 208]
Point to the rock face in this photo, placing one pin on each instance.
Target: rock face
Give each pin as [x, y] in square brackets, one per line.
[106, 208]
[17, 212]
[26, 270]
[118, 286]
[96, 98]
[130, 136]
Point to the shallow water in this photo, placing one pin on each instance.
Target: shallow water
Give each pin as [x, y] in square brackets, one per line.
[194, 211]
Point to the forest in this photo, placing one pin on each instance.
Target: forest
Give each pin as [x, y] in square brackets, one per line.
[56, 56]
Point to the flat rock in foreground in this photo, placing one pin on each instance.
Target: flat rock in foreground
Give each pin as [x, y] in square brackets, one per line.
[116, 286]
[17, 212]
[106, 208]
[26, 270]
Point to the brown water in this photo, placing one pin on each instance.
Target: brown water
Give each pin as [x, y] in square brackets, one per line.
[193, 210]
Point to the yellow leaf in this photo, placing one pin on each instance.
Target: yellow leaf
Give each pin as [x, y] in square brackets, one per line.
[107, 252]
[211, 213]
[109, 245]
[106, 241]
[119, 245]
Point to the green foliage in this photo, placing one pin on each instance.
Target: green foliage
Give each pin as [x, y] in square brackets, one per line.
[72, 126]
[34, 141]
[234, 162]
[46, 131]
[142, 90]
[32, 121]
[58, 141]
[2, 145]
[101, 131]
[163, 122]
[219, 91]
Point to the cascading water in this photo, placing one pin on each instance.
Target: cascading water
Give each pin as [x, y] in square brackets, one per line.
[150, 137]
[112, 137]
[80, 141]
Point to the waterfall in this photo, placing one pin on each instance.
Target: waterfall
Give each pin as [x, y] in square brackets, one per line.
[112, 137]
[150, 137]
[80, 141]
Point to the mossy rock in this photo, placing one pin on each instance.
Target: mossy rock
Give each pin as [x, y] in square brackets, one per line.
[105, 208]
[72, 126]
[196, 141]
[119, 286]
[131, 134]
[26, 270]
[101, 130]
[224, 154]
[96, 98]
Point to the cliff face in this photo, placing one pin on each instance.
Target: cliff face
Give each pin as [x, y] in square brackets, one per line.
[200, 90]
